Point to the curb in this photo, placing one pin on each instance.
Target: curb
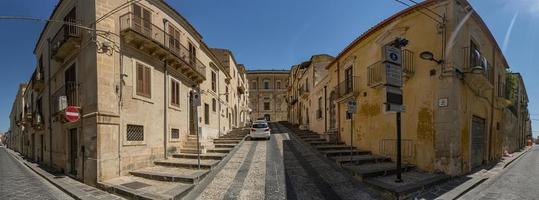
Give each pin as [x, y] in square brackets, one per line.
[199, 188]
[516, 158]
[45, 176]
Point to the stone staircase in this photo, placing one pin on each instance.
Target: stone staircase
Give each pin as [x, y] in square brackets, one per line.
[375, 170]
[175, 177]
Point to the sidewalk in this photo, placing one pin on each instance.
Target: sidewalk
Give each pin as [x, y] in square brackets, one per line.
[473, 180]
[72, 187]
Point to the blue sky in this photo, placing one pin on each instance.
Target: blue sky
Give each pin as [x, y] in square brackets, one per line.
[278, 33]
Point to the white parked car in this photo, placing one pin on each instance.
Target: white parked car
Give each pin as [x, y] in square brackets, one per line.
[260, 130]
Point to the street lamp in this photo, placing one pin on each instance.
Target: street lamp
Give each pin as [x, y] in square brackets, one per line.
[427, 55]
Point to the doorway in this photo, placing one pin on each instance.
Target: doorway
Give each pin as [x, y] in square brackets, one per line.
[73, 147]
[192, 114]
[478, 141]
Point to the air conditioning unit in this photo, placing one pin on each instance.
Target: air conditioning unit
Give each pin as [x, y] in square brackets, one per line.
[62, 103]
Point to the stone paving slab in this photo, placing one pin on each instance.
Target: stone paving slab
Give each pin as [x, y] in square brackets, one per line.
[173, 174]
[72, 187]
[137, 187]
[412, 181]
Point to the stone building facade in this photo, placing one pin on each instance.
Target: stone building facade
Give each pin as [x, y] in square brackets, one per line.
[143, 80]
[268, 94]
[455, 104]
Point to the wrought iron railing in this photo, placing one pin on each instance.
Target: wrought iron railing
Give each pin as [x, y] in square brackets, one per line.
[70, 91]
[147, 29]
[348, 86]
[375, 74]
[473, 59]
[67, 31]
[408, 62]
[388, 147]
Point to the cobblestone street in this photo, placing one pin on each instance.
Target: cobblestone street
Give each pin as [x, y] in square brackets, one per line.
[518, 181]
[18, 182]
[281, 168]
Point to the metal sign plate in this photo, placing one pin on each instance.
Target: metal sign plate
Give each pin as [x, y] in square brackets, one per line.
[352, 105]
[393, 99]
[393, 75]
[392, 54]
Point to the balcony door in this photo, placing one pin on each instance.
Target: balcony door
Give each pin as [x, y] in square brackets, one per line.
[348, 80]
[142, 20]
[70, 85]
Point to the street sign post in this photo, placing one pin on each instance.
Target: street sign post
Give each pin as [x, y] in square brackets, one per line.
[72, 114]
[352, 105]
[393, 69]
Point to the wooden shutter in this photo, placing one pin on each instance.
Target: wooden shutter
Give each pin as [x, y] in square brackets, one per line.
[147, 82]
[140, 80]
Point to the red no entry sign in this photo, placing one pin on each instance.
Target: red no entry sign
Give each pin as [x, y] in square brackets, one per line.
[72, 114]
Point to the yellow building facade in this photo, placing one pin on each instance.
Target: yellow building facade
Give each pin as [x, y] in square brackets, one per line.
[453, 108]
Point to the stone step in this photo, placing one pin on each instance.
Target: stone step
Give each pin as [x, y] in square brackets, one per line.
[187, 163]
[309, 136]
[171, 174]
[132, 187]
[343, 152]
[314, 140]
[206, 156]
[360, 159]
[219, 150]
[375, 169]
[333, 147]
[225, 141]
[413, 181]
[192, 146]
[318, 142]
[192, 150]
[225, 145]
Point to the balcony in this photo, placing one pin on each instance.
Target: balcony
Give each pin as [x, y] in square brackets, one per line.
[304, 92]
[154, 41]
[347, 88]
[65, 96]
[37, 122]
[241, 89]
[66, 41]
[293, 100]
[478, 81]
[38, 81]
[376, 74]
[408, 63]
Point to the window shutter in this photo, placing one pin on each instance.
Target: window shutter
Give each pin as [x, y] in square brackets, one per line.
[147, 82]
[140, 80]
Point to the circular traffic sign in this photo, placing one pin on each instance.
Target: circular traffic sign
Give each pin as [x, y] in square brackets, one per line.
[72, 114]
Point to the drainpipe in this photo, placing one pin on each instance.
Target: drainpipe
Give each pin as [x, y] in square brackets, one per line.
[50, 104]
[325, 107]
[219, 105]
[165, 122]
[492, 106]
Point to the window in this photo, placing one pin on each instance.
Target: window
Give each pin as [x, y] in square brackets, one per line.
[144, 84]
[266, 105]
[348, 80]
[135, 132]
[174, 39]
[174, 93]
[278, 85]
[192, 53]
[175, 133]
[253, 85]
[206, 113]
[226, 93]
[266, 84]
[213, 81]
[213, 105]
[142, 20]
[319, 111]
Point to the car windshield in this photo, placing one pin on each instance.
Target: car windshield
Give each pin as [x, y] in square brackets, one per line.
[260, 126]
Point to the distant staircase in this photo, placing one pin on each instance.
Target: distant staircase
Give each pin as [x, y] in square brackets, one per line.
[175, 177]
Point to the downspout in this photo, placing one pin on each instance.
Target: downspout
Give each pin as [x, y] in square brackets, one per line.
[165, 122]
[219, 104]
[50, 102]
[325, 107]
[492, 106]
[339, 105]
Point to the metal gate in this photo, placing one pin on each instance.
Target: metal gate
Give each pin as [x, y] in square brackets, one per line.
[478, 141]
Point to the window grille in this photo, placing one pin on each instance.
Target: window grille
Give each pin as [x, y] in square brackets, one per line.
[135, 133]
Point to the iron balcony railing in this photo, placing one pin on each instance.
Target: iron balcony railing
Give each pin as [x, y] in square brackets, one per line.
[66, 32]
[147, 29]
[388, 147]
[408, 62]
[70, 91]
[375, 74]
[348, 86]
[474, 58]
